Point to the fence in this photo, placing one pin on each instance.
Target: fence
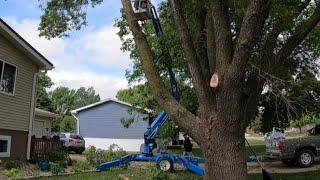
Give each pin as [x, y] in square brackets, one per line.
[43, 146]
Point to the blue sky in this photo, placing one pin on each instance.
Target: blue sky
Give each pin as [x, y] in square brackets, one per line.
[90, 57]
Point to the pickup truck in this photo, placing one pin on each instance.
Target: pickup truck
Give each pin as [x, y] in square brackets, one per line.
[296, 151]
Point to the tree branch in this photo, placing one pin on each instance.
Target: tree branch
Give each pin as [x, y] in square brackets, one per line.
[200, 43]
[272, 36]
[211, 44]
[203, 90]
[185, 119]
[223, 37]
[300, 33]
[251, 29]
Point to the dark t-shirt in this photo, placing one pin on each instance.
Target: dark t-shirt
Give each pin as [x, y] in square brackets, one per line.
[187, 145]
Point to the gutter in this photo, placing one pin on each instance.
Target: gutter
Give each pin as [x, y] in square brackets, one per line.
[74, 114]
[32, 113]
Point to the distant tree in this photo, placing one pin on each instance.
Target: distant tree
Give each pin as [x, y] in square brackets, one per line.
[304, 120]
[63, 100]
[68, 124]
[84, 96]
[43, 100]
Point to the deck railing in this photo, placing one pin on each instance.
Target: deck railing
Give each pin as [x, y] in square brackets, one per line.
[41, 147]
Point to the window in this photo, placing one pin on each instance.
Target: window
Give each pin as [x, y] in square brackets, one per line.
[76, 137]
[5, 146]
[7, 77]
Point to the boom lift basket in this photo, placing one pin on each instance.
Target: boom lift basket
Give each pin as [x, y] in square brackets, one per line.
[142, 9]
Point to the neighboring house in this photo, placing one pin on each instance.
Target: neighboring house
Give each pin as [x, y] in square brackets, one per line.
[100, 125]
[19, 65]
[42, 123]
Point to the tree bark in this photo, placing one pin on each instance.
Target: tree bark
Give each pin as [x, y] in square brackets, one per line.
[224, 149]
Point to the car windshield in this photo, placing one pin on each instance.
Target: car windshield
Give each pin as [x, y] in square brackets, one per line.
[76, 137]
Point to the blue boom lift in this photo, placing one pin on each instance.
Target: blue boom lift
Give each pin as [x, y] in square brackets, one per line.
[145, 11]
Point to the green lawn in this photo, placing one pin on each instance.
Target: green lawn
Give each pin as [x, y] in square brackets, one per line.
[131, 173]
[143, 174]
[314, 175]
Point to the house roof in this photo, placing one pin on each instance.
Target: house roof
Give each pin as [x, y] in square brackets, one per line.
[41, 112]
[24, 46]
[104, 102]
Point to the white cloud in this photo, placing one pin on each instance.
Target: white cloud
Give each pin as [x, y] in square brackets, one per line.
[104, 46]
[96, 47]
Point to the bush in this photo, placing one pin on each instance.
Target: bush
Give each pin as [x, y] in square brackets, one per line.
[57, 168]
[35, 172]
[58, 156]
[14, 164]
[97, 156]
[79, 167]
[12, 173]
[54, 156]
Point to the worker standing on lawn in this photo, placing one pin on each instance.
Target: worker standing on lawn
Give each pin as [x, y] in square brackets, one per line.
[187, 145]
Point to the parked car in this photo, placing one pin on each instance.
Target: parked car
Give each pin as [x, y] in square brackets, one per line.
[297, 151]
[72, 142]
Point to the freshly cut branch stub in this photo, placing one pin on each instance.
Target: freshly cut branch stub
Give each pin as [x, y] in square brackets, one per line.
[214, 80]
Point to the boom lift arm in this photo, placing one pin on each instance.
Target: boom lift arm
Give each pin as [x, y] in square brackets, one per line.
[158, 122]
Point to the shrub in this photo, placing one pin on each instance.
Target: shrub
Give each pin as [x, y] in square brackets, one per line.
[57, 168]
[91, 155]
[79, 167]
[54, 156]
[35, 172]
[14, 164]
[58, 156]
[96, 156]
[12, 173]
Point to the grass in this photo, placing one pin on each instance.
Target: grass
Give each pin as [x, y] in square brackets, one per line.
[144, 174]
[130, 173]
[293, 176]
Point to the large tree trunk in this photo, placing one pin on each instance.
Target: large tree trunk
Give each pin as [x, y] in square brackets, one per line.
[224, 143]
[224, 154]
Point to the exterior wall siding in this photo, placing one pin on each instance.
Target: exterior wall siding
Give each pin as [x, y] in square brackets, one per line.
[15, 109]
[132, 145]
[47, 124]
[103, 122]
[19, 140]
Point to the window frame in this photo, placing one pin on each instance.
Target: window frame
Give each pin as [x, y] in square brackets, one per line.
[6, 138]
[15, 78]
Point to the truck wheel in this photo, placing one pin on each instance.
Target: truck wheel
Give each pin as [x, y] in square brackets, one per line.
[165, 164]
[305, 158]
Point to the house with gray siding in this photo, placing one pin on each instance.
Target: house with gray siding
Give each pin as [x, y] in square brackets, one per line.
[100, 124]
[19, 65]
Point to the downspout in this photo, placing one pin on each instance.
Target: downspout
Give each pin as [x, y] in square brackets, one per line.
[74, 114]
[32, 114]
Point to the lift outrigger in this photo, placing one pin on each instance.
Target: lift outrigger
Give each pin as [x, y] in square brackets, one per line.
[144, 10]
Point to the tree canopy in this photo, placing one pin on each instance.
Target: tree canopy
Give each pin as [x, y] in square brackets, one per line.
[62, 100]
